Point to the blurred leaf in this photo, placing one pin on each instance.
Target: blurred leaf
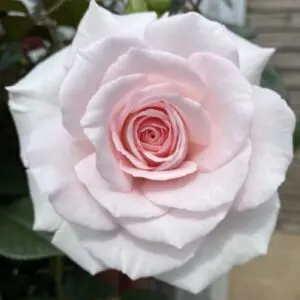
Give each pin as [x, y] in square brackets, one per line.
[159, 6]
[68, 13]
[297, 136]
[136, 6]
[17, 239]
[247, 31]
[12, 5]
[15, 26]
[10, 55]
[12, 176]
[272, 79]
[81, 285]
[142, 295]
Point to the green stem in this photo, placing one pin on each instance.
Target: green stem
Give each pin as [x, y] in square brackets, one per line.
[58, 269]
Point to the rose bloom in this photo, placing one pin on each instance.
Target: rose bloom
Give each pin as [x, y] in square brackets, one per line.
[151, 149]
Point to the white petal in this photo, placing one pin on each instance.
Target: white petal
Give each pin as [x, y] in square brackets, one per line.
[120, 204]
[34, 99]
[201, 191]
[169, 67]
[229, 103]
[85, 76]
[58, 179]
[176, 228]
[253, 58]
[66, 240]
[241, 237]
[272, 148]
[133, 257]
[185, 34]
[99, 23]
[45, 218]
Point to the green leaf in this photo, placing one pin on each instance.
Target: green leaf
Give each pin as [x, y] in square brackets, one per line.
[10, 55]
[69, 13]
[16, 27]
[297, 136]
[159, 6]
[12, 176]
[17, 239]
[247, 31]
[272, 79]
[12, 5]
[136, 6]
[142, 295]
[81, 285]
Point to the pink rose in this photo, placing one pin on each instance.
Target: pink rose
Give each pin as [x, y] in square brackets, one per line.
[150, 149]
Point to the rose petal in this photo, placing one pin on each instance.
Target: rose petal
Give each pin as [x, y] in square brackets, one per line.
[55, 177]
[66, 240]
[194, 115]
[186, 168]
[45, 218]
[71, 200]
[34, 99]
[201, 191]
[241, 237]
[272, 153]
[170, 35]
[99, 23]
[119, 204]
[229, 104]
[90, 65]
[131, 256]
[176, 228]
[253, 58]
[167, 66]
[96, 122]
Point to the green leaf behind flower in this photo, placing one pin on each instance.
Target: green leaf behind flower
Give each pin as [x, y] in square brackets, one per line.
[17, 239]
[136, 6]
[273, 79]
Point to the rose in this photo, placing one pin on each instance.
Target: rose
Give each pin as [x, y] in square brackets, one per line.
[150, 149]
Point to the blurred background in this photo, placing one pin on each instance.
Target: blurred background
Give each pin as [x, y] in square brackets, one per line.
[30, 31]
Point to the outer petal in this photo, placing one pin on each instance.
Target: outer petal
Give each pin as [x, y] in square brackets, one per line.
[52, 169]
[253, 58]
[241, 237]
[203, 191]
[66, 240]
[177, 228]
[34, 99]
[45, 218]
[121, 205]
[229, 104]
[272, 142]
[98, 23]
[188, 33]
[152, 63]
[132, 256]
[84, 78]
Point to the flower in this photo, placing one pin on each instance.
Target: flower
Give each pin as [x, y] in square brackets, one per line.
[151, 149]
